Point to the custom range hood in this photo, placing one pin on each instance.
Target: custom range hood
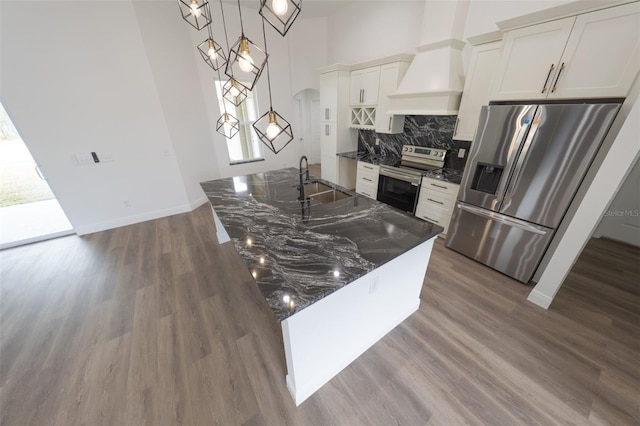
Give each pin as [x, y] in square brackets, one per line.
[434, 81]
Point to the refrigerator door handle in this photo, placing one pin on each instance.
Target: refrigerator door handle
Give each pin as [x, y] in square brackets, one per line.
[515, 144]
[523, 154]
[497, 217]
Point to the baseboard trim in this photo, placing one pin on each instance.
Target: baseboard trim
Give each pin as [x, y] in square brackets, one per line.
[540, 299]
[37, 239]
[143, 217]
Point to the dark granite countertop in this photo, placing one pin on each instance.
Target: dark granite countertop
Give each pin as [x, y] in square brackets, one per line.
[446, 175]
[371, 158]
[299, 252]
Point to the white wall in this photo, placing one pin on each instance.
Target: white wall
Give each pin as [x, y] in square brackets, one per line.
[307, 52]
[75, 79]
[170, 53]
[367, 30]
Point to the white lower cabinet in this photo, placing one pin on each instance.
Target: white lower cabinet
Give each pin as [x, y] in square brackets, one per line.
[436, 202]
[367, 179]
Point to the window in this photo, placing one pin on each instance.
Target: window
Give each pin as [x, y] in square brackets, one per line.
[245, 146]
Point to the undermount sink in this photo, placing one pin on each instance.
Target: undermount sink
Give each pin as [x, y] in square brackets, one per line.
[323, 193]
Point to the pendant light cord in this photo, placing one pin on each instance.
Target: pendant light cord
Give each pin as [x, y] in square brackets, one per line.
[240, 12]
[266, 51]
[224, 25]
[209, 28]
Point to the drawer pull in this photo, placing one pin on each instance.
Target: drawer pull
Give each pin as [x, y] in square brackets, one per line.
[434, 201]
[368, 180]
[367, 167]
[439, 186]
[364, 193]
[429, 219]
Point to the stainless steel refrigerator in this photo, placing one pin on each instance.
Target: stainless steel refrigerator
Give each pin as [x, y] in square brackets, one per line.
[524, 167]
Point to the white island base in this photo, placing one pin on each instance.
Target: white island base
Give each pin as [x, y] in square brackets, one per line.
[326, 337]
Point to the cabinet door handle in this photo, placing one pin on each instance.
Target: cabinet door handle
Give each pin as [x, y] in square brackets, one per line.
[434, 201]
[327, 113]
[361, 96]
[390, 118]
[438, 186]
[555, 84]
[544, 86]
[455, 128]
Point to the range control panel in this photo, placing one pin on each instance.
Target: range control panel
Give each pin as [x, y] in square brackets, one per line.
[422, 152]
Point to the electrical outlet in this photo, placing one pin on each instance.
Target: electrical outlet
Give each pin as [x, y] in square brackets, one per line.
[84, 159]
[377, 141]
[461, 153]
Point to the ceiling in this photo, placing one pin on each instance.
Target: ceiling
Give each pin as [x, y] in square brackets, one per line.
[310, 8]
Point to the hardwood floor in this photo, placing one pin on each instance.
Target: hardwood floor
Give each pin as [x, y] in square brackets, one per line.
[157, 324]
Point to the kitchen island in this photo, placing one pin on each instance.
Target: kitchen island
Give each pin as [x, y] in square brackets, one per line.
[338, 270]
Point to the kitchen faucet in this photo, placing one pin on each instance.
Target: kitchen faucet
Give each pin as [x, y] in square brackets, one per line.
[301, 197]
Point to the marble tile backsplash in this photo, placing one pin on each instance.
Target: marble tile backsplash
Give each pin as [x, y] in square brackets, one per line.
[433, 131]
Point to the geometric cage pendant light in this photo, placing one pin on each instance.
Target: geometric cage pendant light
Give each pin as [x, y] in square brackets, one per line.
[195, 12]
[227, 125]
[234, 92]
[272, 129]
[212, 53]
[280, 14]
[246, 60]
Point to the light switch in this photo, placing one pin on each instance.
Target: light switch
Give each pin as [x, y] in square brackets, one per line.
[461, 153]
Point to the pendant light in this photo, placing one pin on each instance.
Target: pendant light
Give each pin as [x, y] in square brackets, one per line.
[211, 52]
[246, 59]
[280, 14]
[195, 12]
[272, 129]
[234, 92]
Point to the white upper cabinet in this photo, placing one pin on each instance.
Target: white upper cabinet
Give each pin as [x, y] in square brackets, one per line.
[592, 55]
[364, 86]
[529, 60]
[477, 87]
[390, 76]
[602, 56]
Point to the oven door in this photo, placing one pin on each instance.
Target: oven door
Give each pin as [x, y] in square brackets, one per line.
[398, 189]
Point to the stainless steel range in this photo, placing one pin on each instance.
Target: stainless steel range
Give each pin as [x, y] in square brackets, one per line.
[399, 186]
